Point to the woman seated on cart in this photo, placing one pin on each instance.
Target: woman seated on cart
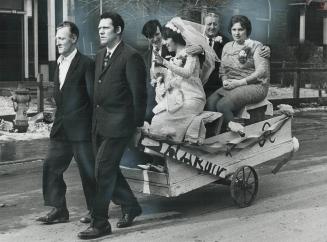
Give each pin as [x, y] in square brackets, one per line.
[179, 91]
[245, 74]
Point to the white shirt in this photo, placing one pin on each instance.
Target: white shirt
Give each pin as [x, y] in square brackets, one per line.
[153, 57]
[64, 64]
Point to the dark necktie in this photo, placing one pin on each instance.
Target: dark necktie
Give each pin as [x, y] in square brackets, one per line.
[106, 60]
[210, 41]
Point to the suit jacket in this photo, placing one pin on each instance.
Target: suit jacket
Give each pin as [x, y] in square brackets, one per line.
[119, 92]
[151, 94]
[148, 56]
[73, 119]
[214, 81]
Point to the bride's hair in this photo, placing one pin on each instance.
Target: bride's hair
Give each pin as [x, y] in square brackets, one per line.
[174, 35]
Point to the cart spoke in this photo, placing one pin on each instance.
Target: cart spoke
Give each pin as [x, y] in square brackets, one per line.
[249, 175]
[243, 175]
[244, 195]
[244, 186]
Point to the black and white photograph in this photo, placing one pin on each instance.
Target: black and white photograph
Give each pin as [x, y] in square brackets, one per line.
[163, 120]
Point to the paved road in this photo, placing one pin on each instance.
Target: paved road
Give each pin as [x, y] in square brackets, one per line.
[290, 206]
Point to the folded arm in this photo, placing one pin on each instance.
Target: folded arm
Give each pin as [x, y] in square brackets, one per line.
[261, 65]
[262, 71]
[136, 77]
[185, 71]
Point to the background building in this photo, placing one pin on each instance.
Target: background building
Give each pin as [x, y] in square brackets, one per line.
[27, 27]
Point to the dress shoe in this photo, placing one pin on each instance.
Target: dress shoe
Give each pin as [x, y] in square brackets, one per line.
[237, 128]
[93, 232]
[127, 218]
[56, 215]
[86, 219]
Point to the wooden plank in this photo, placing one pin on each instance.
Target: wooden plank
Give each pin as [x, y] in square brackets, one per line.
[179, 172]
[148, 188]
[144, 175]
[183, 178]
[190, 184]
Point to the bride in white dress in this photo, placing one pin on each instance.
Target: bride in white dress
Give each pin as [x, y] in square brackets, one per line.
[180, 93]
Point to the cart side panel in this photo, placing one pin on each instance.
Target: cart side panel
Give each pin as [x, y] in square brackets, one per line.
[277, 145]
[183, 178]
[260, 157]
[147, 182]
[255, 149]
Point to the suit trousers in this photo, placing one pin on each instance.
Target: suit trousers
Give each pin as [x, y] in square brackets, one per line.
[111, 184]
[60, 154]
[214, 82]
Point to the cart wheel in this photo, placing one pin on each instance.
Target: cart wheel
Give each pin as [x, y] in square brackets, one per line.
[244, 186]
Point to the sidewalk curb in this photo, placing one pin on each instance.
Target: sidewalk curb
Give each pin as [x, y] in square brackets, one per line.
[15, 162]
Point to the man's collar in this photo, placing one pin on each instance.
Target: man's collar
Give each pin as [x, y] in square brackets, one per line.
[159, 46]
[207, 37]
[113, 49]
[68, 58]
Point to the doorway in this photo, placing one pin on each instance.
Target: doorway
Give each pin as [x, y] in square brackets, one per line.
[11, 47]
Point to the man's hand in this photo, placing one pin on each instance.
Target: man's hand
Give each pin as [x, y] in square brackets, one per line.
[194, 50]
[157, 58]
[227, 84]
[265, 52]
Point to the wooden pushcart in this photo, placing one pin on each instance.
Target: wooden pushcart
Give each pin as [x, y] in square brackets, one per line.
[225, 158]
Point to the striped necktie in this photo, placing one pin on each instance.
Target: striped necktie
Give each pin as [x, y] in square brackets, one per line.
[106, 60]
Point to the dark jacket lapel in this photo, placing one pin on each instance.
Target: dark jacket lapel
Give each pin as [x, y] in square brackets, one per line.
[99, 62]
[56, 79]
[56, 89]
[112, 57]
[71, 69]
[149, 57]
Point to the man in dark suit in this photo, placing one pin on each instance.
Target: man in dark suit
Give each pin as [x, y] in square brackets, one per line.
[152, 31]
[216, 40]
[120, 103]
[71, 131]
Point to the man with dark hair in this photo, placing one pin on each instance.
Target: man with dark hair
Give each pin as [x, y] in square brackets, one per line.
[71, 131]
[152, 31]
[120, 102]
